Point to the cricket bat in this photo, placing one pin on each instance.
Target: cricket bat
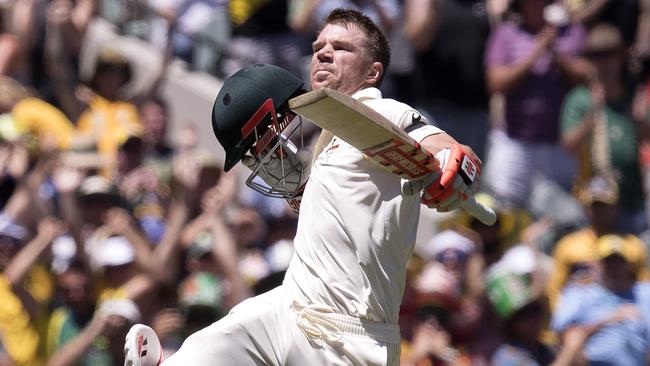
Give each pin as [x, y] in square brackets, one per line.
[379, 139]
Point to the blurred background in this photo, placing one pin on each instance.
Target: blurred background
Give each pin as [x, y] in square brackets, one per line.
[114, 208]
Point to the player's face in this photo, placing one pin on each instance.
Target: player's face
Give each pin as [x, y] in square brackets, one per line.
[339, 60]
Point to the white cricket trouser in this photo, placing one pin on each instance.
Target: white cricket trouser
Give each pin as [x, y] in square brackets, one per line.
[271, 329]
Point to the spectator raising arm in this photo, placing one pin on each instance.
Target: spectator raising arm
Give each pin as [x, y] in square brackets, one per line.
[421, 22]
[56, 53]
[120, 222]
[224, 249]
[73, 351]
[507, 78]
[48, 230]
[574, 139]
[9, 49]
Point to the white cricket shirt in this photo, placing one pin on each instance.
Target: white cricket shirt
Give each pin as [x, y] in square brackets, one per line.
[356, 231]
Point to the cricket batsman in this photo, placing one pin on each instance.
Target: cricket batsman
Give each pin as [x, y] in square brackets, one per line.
[340, 299]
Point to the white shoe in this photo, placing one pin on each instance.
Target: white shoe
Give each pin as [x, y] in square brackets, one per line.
[142, 347]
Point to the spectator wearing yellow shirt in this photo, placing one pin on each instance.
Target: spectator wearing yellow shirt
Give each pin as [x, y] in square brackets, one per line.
[575, 255]
[109, 119]
[21, 112]
[20, 315]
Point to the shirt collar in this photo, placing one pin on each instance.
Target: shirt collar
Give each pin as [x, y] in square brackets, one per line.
[367, 93]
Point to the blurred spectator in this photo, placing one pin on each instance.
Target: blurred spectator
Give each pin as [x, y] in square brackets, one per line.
[9, 49]
[495, 239]
[313, 12]
[28, 23]
[261, 34]
[523, 329]
[438, 298]
[613, 312]
[603, 124]
[531, 62]
[104, 112]
[43, 120]
[142, 186]
[449, 39]
[110, 119]
[21, 113]
[22, 302]
[624, 15]
[446, 300]
[76, 319]
[100, 341]
[459, 256]
[213, 247]
[576, 254]
[184, 18]
[642, 46]
[154, 115]
[513, 286]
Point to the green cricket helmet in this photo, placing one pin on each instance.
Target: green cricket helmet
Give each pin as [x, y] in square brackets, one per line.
[248, 104]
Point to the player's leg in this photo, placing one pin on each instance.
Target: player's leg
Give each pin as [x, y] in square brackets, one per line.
[335, 339]
[255, 332]
[352, 350]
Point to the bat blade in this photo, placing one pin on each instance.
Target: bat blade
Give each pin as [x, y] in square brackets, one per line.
[378, 138]
[367, 130]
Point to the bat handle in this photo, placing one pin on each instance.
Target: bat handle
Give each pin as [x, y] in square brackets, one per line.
[483, 213]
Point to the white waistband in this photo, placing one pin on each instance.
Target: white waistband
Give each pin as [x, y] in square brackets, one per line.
[322, 322]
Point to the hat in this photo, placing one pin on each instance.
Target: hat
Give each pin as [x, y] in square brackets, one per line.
[603, 38]
[599, 189]
[447, 240]
[507, 291]
[131, 142]
[97, 185]
[520, 260]
[201, 246]
[109, 60]
[611, 244]
[437, 287]
[64, 249]
[201, 289]
[556, 15]
[125, 308]
[112, 251]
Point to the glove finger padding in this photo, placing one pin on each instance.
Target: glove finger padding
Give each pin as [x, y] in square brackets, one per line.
[456, 198]
[457, 182]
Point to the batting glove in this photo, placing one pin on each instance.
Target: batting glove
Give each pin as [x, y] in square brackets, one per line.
[457, 181]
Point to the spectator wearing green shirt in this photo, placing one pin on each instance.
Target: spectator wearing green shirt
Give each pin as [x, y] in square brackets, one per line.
[603, 123]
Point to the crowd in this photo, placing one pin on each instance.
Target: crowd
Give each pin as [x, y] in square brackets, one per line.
[107, 221]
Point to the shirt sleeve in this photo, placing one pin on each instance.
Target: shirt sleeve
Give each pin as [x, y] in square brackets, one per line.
[417, 126]
[496, 53]
[507, 355]
[572, 42]
[575, 107]
[567, 312]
